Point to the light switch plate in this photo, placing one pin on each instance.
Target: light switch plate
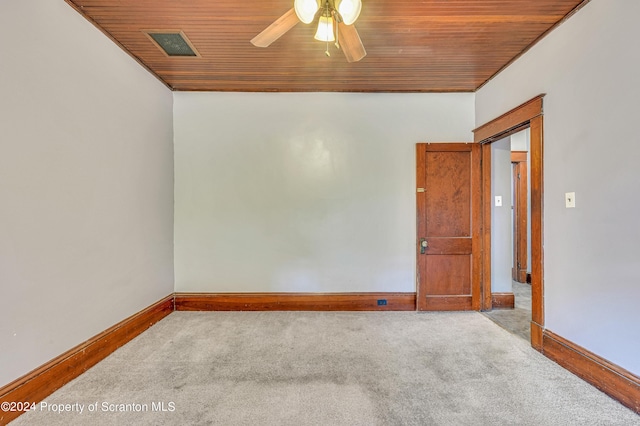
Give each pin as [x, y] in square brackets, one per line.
[570, 200]
[498, 200]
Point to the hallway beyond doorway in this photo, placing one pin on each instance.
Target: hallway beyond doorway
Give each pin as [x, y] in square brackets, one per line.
[517, 320]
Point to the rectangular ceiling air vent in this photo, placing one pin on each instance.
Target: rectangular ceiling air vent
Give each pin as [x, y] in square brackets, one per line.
[173, 43]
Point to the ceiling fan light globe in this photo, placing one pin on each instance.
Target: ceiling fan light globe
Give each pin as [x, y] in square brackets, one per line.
[306, 9]
[325, 29]
[349, 10]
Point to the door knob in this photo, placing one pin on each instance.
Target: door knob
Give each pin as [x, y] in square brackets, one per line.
[423, 245]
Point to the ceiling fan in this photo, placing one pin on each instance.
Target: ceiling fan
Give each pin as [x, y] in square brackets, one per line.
[335, 23]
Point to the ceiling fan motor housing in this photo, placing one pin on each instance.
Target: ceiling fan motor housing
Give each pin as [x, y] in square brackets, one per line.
[347, 10]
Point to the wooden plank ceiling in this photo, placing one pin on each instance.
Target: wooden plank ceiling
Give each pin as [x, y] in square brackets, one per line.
[412, 46]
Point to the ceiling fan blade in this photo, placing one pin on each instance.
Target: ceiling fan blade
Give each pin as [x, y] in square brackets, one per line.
[276, 30]
[350, 42]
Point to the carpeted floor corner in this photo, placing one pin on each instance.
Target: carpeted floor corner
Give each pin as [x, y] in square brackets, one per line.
[329, 368]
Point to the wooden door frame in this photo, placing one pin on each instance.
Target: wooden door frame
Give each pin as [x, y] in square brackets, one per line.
[520, 213]
[528, 115]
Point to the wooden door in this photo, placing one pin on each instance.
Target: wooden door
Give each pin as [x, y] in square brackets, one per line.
[448, 223]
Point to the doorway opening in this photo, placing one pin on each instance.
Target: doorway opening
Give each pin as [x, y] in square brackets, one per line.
[510, 234]
[527, 116]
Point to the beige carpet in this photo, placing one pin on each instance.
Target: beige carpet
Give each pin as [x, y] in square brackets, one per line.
[328, 368]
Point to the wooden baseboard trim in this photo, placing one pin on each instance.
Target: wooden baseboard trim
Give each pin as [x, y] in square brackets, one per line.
[503, 300]
[611, 379]
[446, 303]
[46, 379]
[295, 301]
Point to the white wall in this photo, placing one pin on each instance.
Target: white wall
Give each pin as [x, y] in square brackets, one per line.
[86, 174]
[589, 68]
[501, 225]
[303, 192]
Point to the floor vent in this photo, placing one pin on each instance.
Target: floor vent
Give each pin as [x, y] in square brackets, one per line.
[173, 43]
